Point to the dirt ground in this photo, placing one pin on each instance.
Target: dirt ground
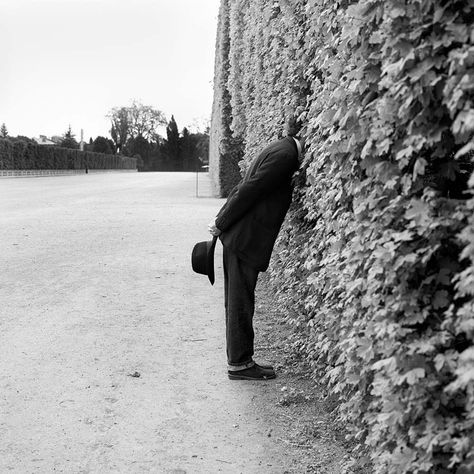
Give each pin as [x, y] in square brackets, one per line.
[112, 356]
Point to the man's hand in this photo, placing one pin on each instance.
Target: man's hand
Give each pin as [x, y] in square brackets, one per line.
[213, 229]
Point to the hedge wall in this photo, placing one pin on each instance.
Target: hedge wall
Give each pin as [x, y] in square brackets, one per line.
[227, 149]
[375, 265]
[22, 155]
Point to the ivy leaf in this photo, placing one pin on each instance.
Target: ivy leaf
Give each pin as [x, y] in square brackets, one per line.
[404, 236]
[418, 212]
[419, 168]
[376, 38]
[444, 276]
[459, 30]
[402, 458]
[392, 70]
[412, 376]
[465, 377]
[467, 356]
[438, 14]
[464, 150]
[421, 69]
[439, 362]
[464, 123]
[406, 152]
[449, 170]
[441, 299]
[467, 326]
[387, 364]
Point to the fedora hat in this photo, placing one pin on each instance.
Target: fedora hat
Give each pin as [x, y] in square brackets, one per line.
[202, 258]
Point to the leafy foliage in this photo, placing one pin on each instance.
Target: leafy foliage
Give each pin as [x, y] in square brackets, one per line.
[103, 145]
[172, 138]
[69, 140]
[137, 120]
[120, 126]
[144, 120]
[134, 133]
[178, 152]
[375, 266]
[3, 131]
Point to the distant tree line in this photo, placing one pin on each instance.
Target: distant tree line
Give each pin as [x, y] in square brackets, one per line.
[134, 133]
[183, 151]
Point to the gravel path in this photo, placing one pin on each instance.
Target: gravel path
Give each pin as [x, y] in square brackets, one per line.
[97, 289]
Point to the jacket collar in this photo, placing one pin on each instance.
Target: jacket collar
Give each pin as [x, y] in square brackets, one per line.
[298, 146]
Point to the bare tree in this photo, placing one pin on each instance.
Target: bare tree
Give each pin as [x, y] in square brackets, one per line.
[135, 121]
[144, 120]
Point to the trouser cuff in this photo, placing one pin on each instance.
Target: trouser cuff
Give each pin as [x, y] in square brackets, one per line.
[234, 368]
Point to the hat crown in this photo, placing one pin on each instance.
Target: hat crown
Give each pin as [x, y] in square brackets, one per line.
[202, 258]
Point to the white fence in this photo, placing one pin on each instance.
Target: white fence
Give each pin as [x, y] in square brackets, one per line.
[38, 173]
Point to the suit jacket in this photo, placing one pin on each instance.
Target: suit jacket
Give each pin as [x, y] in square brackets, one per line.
[255, 209]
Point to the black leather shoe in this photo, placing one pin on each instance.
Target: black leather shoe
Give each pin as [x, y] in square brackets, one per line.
[255, 372]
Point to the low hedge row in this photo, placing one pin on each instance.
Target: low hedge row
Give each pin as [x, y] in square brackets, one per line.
[22, 155]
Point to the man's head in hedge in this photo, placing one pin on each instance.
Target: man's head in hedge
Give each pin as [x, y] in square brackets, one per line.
[293, 128]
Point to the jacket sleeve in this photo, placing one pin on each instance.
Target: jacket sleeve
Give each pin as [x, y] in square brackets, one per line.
[229, 198]
[274, 169]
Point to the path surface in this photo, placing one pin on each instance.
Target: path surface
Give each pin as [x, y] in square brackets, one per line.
[96, 285]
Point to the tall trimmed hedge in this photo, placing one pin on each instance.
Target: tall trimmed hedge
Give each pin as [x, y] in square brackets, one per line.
[226, 148]
[375, 265]
[17, 154]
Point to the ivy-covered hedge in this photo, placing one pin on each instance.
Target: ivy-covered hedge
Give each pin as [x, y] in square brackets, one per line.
[375, 265]
[17, 154]
[225, 149]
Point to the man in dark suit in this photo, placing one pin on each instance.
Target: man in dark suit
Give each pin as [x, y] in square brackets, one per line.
[248, 225]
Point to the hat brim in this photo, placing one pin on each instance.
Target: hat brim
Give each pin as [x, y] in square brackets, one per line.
[202, 258]
[210, 260]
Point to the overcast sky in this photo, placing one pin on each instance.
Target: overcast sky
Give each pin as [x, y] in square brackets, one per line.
[68, 62]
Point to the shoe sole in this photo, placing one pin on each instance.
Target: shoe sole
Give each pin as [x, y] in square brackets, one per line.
[244, 377]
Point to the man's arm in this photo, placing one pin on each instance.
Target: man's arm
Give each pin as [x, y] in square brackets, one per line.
[213, 229]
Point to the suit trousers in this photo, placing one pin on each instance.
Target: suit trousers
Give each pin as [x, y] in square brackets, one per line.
[240, 281]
